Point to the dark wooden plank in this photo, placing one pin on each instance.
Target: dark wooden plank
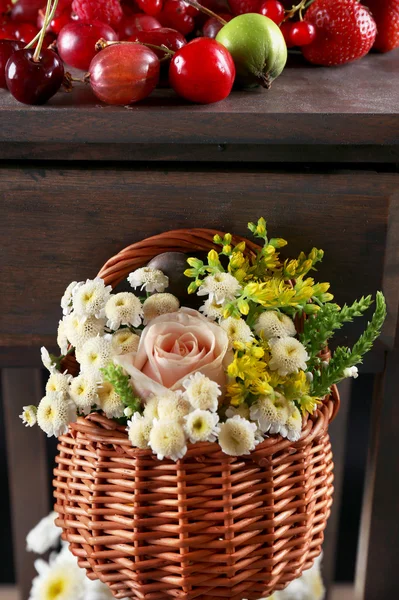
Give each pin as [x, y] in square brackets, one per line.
[61, 225]
[27, 469]
[338, 433]
[357, 104]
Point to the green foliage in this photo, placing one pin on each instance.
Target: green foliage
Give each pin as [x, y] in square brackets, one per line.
[121, 383]
[345, 358]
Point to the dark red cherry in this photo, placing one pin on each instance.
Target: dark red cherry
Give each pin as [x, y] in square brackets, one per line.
[34, 82]
[8, 31]
[212, 26]
[76, 43]
[25, 32]
[26, 11]
[7, 48]
[170, 38]
[131, 25]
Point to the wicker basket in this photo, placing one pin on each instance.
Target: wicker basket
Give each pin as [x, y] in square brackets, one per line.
[209, 526]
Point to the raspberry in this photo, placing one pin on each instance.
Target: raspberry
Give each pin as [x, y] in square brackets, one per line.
[106, 11]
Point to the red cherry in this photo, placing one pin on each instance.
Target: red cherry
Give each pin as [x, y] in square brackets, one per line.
[124, 73]
[175, 15]
[5, 6]
[170, 38]
[7, 48]
[77, 42]
[131, 25]
[302, 33]
[61, 18]
[26, 11]
[25, 32]
[34, 82]
[212, 26]
[286, 31]
[274, 10]
[202, 71]
[8, 31]
[150, 7]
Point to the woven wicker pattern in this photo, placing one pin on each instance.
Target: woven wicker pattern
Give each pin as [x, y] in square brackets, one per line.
[209, 526]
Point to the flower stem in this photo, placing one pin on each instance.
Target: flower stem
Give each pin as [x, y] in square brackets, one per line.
[205, 10]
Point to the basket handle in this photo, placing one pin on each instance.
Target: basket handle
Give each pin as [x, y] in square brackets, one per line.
[139, 254]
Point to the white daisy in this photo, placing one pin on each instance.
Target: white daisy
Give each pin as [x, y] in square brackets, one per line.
[62, 337]
[139, 429]
[271, 413]
[123, 309]
[167, 440]
[242, 411]
[151, 408]
[78, 330]
[237, 330]
[201, 426]
[28, 415]
[47, 360]
[202, 392]
[125, 341]
[44, 535]
[58, 382]
[351, 372]
[54, 414]
[95, 354]
[152, 280]
[220, 287]
[237, 436]
[288, 356]
[84, 392]
[60, 579]
[212, 310]
[173, 407]
[271, 324]
[294, 423]
[90, 298]
[109, 401]
[159, 304]
[66, 300]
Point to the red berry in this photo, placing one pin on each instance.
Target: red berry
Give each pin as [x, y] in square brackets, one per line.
[124, 73]
[240, 7]
[26, 11]
[60, 19]
[150, 7]
[5, 6]
[175, 16]
[7, 48]
[77, 42]
[34, 82]
[25, 32]
[8, 31]
[274, 10]
[131, 25]
[106, 11]
[202, 71]
[386, 15]
[302, 33]
[345, 31]
[170, 38]
[212, 26]
[286, 31]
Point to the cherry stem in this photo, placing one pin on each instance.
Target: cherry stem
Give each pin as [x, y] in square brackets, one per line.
[205, 10]
[299, 7]
[39, 38]
[101, 44]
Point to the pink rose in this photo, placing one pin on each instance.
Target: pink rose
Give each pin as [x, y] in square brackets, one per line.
[172, 347]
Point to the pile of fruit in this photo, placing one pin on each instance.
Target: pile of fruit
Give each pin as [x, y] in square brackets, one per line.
[129, 47]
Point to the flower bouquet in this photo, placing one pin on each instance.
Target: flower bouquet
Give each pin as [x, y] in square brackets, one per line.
[194, 458]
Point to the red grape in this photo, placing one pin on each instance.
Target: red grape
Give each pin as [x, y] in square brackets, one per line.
[170, 38]
[77, 42]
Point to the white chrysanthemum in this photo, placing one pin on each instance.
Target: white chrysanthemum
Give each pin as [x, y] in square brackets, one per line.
[58, 382]
[125, 341]
[202, 392]
[84, 392]
[271, 413]
[173, 407]
[44, 535]
[139, 429]
[46, 359]
[159, 304]
[152, 280]
[272, 324]
[167, 440]
[123, 309]
[288, 356]
[94, 355]
[294, 424]
[151, 408]
[109, 401]
[66, 300]
[80, 329]
[201, 426]
[237, 330]
[28, 415]
[351, 372]
[54, 414]
[237, 436]
[242, 411]
[62, 337]
[90, 298]
[60, 579]
[212, 310]
[220, 287]
[96, 590]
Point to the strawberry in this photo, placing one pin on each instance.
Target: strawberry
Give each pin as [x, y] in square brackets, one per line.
[239, 7]
[386, 15]
[345, 31]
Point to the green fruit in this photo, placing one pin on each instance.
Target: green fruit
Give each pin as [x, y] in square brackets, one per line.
[257, 46]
